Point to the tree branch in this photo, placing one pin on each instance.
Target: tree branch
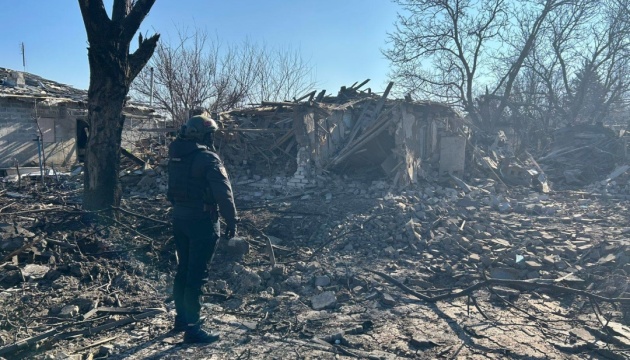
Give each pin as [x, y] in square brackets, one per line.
[132, 22]
[95, 19]
[519, 284]
[121, 9]
[141, 56]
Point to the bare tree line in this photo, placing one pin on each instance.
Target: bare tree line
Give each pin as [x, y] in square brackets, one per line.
[533, 64]
[198, 71]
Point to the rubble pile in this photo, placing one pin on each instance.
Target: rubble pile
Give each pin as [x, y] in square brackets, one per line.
[346, 266]
[615, 185]
[57, 273]
[582, 154]
[259, 141]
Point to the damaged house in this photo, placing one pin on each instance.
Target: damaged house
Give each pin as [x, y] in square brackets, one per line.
[43, 119]
[354, 132]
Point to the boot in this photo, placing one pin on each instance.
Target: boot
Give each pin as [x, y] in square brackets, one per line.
[180, 324]
[196, 335]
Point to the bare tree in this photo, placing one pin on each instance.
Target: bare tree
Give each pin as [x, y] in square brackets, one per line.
[198, 71]
[528, 26]
[112, 69]
[440, 48]
[553, 62]
[583, 61]
[602, 78]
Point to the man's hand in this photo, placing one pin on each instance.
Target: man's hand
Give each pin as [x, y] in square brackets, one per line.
[230, 231]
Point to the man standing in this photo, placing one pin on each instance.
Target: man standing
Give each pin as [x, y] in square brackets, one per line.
[199, 189]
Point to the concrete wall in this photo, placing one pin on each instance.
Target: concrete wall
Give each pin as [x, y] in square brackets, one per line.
[19, 129]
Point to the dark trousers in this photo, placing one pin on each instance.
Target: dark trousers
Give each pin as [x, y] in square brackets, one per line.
[195, 240]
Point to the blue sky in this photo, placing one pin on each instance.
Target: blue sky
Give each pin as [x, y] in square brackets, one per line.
[341, 39]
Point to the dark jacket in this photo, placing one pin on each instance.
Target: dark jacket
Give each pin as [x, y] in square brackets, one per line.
[198, 183]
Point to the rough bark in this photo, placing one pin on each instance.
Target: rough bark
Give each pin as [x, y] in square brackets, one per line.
[112, 69]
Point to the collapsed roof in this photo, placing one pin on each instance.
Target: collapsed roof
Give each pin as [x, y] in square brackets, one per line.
[19, 85]
[355, 131]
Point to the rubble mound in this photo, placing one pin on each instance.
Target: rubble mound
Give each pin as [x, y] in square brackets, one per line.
[347, 268]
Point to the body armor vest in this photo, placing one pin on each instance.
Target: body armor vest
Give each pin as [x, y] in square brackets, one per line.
[185, 189]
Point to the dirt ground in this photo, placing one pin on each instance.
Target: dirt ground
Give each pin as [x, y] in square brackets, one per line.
[361, 271]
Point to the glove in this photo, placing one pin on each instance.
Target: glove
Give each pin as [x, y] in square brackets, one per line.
[230, 231]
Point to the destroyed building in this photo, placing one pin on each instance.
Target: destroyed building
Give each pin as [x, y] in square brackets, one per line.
[583, 154]
[40, 117]
[355, 131]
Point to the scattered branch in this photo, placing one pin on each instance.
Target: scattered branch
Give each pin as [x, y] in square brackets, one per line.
[515, 284]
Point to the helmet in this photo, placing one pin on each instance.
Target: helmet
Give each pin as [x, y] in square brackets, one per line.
[198, 127]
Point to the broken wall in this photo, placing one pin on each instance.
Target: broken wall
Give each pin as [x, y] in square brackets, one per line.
[20, 121]
[402, 140]
[355, 132]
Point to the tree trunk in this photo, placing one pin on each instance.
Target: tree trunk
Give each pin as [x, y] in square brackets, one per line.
[112, 69]
[102, 162]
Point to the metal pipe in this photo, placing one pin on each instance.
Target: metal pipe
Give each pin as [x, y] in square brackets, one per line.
[151, 88]
[39, 153]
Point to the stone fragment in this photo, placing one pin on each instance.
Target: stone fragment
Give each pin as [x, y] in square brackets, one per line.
[147, 182]
[279, 270]
[237, 246]
[324, 300]
[388, 299]
[294, 281]
[250, 325]
[323, 280]
[506, 293]
[390, 251]
[422, 344]
[249, 281]
[549, 260]
[9, 245]
[34, 271]
[69, 311]
[505, 273]
[534, 265]
[106, 350]
[11, 278]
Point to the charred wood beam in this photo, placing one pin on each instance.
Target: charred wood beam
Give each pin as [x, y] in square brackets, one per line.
[320, 96]
[255, 130]
[278, 103]
[132, 157]
[369, 114]
[518, 284]
[360, 85]
[309, 95]
[370, 134]
[141, 216]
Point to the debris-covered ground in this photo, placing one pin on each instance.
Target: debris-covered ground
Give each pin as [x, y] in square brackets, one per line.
[361, 271]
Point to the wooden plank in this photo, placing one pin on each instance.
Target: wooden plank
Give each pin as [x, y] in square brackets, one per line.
[278, 103]
[369, 113]
[131, 156]
[361, 84]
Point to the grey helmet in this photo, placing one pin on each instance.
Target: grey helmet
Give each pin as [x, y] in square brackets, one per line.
[198, 128]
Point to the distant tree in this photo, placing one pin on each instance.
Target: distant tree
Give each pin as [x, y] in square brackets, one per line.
[601, 78]
[441, 48]
[197, 71]
[112, 69]
[552, 62]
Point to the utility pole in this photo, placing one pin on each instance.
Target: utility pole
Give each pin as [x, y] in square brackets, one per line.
[151, 89]
[23, 56]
